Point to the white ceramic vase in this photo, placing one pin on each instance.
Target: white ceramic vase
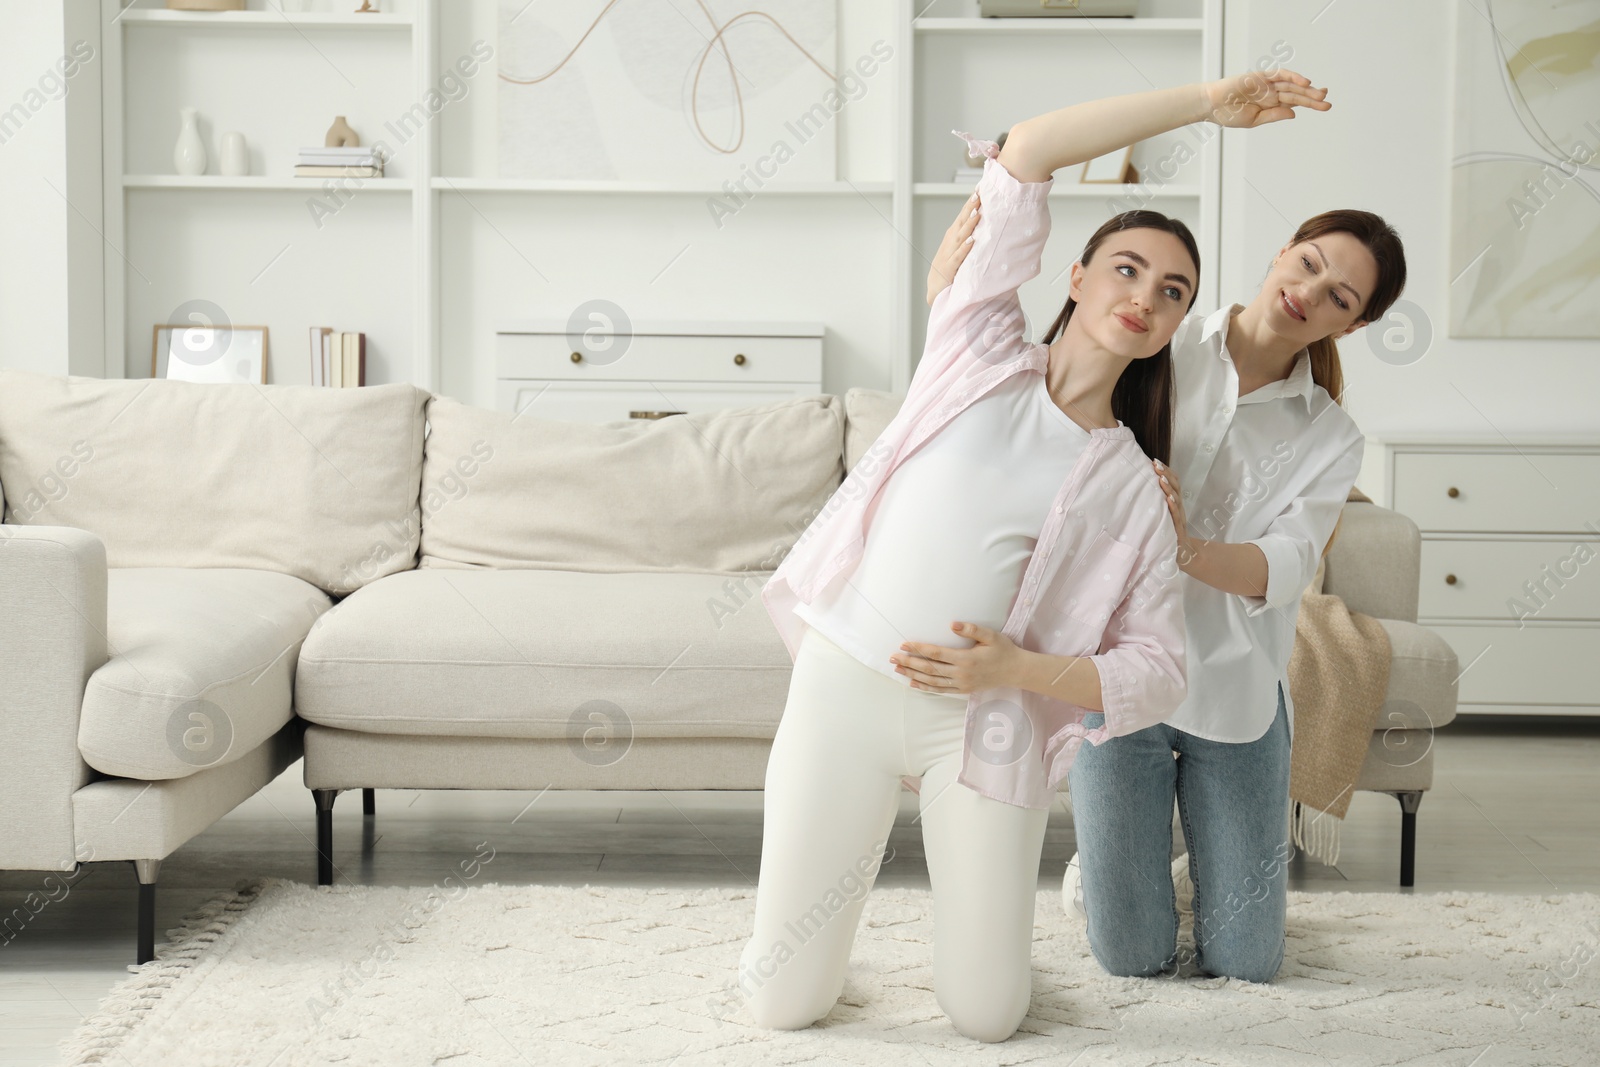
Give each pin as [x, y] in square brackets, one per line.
[235, 161]
[189, 154]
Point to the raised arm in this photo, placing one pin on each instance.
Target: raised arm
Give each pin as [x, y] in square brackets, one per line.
[1038, 147]
[1082, 132]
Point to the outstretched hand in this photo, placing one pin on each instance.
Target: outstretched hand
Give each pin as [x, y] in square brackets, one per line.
[1245, 101]
[989, 663]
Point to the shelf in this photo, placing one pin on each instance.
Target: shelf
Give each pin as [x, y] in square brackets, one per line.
[544, 185]
[1057, 25]
[271, 19]
[1091, 191]
[217, 181]
[404, 55]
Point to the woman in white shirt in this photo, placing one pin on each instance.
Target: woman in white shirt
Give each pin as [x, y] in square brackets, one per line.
[1263, 459]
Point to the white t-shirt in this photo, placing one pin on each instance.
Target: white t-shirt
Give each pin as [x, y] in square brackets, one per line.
[955, 527]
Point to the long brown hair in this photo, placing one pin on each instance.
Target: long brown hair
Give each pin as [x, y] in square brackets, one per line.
[1383, 242]
[1142, 397]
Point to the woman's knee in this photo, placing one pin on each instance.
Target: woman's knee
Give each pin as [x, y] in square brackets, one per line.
[772, 1011]
[780, 997]
[981, 1011]
[1136, 953]
[1243, 964]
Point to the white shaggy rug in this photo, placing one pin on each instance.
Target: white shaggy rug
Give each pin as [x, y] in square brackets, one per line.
[284, 974]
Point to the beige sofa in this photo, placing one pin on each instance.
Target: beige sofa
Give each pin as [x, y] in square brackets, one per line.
[422, 594]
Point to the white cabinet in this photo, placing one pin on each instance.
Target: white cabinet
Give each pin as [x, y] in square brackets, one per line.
[652, 369]
[1510, 565]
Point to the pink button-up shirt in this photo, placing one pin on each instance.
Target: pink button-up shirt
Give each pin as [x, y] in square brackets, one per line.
[1102, 580]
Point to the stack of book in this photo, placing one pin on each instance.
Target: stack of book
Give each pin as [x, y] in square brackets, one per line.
[338, 358]
[356, 161]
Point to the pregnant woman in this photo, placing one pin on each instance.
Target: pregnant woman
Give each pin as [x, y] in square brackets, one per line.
[1267, 457]
[1010, 504]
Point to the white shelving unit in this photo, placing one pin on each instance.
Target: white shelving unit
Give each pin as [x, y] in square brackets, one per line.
[983, 74]
[274, 18]
[375, 264]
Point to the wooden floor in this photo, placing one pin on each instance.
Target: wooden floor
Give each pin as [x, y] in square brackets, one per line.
[1511, 810]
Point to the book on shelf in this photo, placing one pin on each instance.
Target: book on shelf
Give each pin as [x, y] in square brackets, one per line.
[338, 357]
[333, 151]
[339, 161]
[308, 170]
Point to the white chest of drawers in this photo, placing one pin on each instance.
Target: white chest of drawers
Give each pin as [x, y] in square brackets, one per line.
[1510, 565]
[649, 369]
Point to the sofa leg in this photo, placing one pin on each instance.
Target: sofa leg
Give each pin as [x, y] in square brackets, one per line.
[1408, 836]
[369, 803]
[147, 871]
[324, 799]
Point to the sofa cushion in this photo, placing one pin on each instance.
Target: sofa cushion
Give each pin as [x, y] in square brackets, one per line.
[1375, 562]
[201, 671]
[867, 413]
[1422, 679]
[725, 491]
[547, 653]
[317, 483]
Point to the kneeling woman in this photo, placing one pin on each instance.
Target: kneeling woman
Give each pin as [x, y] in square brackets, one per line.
[1012, 491]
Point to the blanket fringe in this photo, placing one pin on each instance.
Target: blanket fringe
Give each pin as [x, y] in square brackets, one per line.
[1316, 834]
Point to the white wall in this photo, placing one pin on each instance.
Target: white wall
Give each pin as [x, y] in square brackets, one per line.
[1385, 147]
[51, 281]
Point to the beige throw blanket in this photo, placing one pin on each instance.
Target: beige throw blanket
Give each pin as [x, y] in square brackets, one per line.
[1338, 675]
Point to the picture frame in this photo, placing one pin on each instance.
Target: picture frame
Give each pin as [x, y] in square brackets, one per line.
[1113, 168]
[209, 353]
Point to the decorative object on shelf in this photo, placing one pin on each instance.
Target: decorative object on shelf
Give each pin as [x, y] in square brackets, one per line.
[1113, 167]
[736, 98]
[205, 5]
[351, 162]
[235, 157]
[338, 358]
[366, 8]
[1522, 249]
[189, 154]
[209, 353]
[1068, 8]
[340, 135]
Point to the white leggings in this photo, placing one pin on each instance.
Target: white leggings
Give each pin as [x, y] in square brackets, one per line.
[847, 735]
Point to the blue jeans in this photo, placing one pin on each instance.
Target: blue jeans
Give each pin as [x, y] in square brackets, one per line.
[1233, 802]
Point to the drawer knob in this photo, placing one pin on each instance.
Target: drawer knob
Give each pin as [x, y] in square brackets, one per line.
[1452, 492]
[577, 357]
[1449, 579]
[738, 359]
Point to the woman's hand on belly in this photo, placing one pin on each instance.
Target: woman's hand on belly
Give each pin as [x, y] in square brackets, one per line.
[992, 662]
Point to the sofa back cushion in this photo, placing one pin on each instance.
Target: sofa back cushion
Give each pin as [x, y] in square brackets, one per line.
[868, 413]
[727, 490]
[317, 483]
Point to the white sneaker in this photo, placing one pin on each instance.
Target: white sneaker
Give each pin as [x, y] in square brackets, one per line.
[1072, 890]
[1183, 889]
